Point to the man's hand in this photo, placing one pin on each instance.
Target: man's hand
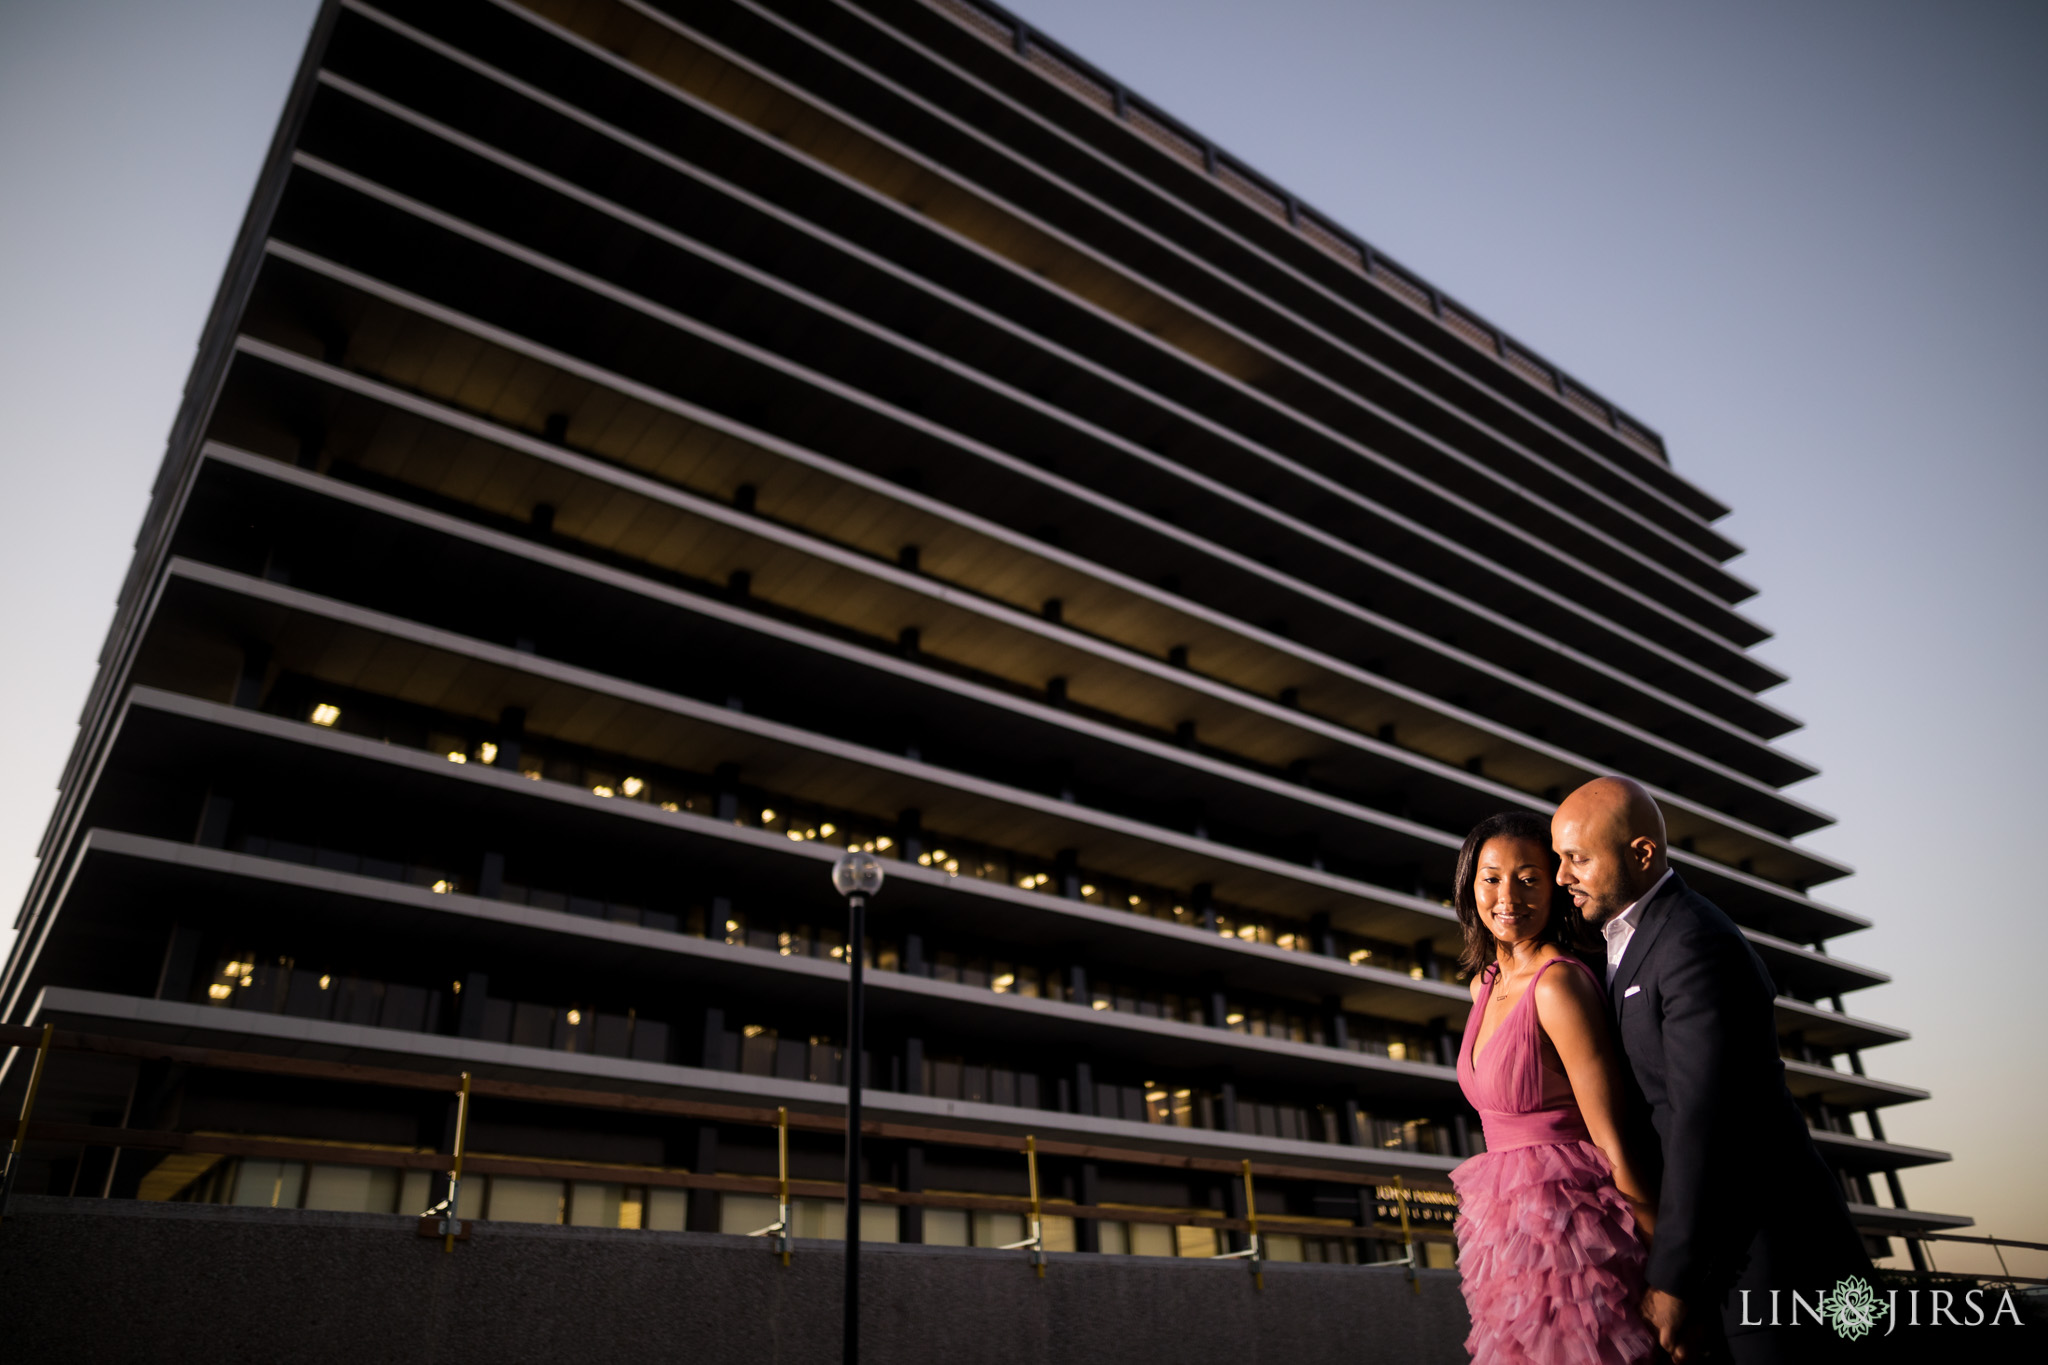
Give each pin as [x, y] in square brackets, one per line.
[1666, 1315]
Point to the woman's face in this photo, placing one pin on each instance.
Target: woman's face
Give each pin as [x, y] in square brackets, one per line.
[1513, 888]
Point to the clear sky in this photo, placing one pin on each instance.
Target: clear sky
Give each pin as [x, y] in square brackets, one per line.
[1803, 239]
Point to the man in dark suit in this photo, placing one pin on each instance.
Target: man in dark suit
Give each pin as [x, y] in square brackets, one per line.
[1743, 1199]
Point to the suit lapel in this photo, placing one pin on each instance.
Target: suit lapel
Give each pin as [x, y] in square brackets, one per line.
[1650, 922]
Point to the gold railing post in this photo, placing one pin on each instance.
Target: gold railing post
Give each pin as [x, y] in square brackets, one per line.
[28, 1107]
[782, 1186]
[1407, 1235]
[778, 1232]
[453, 1223]
[1251, 1214]
[1035, 1242]
[1037, 1218]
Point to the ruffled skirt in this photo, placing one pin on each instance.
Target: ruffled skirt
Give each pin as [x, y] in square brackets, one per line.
[1551, 1263]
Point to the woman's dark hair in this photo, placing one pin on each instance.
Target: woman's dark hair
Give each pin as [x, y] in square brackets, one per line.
[1564, 927]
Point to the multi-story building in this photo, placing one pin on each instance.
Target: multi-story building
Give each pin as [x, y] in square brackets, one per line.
[640, 451]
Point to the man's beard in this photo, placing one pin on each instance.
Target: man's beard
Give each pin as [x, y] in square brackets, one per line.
[1599, 909]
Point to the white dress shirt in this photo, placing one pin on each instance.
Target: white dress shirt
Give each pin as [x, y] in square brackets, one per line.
[1619, 930]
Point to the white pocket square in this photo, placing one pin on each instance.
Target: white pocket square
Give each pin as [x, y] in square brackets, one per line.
[1630, 991]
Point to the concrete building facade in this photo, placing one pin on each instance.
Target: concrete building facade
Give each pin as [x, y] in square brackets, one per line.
[642, 450]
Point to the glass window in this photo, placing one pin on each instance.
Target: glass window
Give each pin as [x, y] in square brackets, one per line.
[1195, 1241]
[351, 1189]
[757, 1050]
[826, 1219]
[668, 1210]
[1151, 1239]
[519, 1199]
[613, 1036]
[413, 1190]
[650, 1040]
[268, 1184]
[997, 1229]
[745, 1213]
[1282, 1247]
[532, 1025]
[945, 1227]
[595, 1204]
[1158, 1105]
[880, 1223]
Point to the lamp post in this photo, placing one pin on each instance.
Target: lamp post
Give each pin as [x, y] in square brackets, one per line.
[856, 876]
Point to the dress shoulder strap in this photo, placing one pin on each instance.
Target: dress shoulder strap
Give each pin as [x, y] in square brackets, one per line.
[1531, 992]
[1562, 957]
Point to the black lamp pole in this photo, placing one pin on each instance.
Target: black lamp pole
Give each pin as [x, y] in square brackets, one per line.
[856, 927]
[857, 876]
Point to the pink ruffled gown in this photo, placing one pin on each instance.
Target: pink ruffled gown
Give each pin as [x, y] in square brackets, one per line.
[1552, 1266]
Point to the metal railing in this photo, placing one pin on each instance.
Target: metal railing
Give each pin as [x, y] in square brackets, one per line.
[1997, 1245]
[1070, 73]
[444, 1219]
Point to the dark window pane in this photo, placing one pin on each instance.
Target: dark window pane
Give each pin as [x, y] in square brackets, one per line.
[533, 1026]
[337, 862]
[614, 1036]
[574, 1030]
[650, 1041]
[306, 999]
[361, 1002]
[404, 1007]
[498, 1021]
[757, 1052]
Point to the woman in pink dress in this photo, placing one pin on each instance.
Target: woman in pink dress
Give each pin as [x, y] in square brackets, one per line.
[1553, 1224]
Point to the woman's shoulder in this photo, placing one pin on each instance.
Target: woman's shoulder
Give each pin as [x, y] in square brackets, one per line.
[1574, 985]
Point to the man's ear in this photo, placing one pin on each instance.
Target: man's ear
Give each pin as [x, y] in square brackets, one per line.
[1645, 850]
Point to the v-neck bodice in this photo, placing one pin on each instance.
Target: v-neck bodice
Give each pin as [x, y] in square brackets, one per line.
[1520, 1100]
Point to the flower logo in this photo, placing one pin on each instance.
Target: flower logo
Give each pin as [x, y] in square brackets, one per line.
[1853, 1308]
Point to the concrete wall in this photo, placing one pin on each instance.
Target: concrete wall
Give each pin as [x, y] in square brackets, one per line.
[115, 1281]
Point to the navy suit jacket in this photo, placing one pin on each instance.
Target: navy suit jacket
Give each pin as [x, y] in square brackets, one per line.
[1743, 1198]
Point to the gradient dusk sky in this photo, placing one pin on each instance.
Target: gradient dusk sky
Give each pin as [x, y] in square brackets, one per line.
[1802, 239]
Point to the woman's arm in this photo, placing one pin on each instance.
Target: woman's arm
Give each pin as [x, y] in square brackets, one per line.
[1569, 1008]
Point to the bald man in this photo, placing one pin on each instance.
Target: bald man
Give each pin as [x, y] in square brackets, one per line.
[1744, 1202]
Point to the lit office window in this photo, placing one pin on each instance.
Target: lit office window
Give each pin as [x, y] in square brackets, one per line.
[519, 1199]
